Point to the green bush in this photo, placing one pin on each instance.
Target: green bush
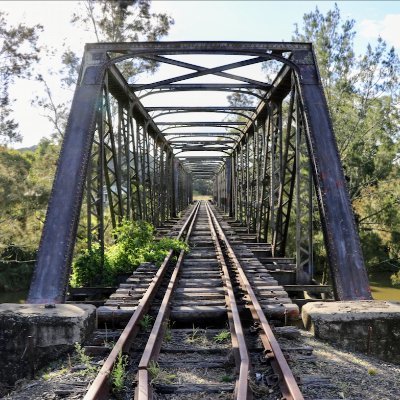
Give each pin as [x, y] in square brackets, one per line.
[16, 268]
[157, 252]
[395, 279]
[87, 269]
[134, 244]
[133, 240]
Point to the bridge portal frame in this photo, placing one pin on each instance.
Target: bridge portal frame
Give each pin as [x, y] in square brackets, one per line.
[299, 74]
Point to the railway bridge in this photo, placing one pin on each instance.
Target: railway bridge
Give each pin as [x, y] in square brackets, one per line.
[135, 146]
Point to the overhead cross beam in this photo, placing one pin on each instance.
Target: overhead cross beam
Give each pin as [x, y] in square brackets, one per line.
[201, 71]
[202, 123]
[203, 109]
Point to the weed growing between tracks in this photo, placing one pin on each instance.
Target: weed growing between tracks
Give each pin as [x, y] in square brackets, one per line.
[168, 333]
[222, 337]
[158, 375]
[118, 373]
[146, 322]
[84, 359]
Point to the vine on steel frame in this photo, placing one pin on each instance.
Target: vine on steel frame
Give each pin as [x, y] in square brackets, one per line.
[270, 161]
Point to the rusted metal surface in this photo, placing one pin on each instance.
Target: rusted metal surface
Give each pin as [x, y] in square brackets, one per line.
[157, 333]
[100, 387]
[274, 161]
[340, 232]
[242, 391]
[288, 384]
[49, 282]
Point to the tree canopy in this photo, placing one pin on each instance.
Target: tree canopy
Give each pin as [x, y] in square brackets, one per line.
[18, 54]
[363, 94]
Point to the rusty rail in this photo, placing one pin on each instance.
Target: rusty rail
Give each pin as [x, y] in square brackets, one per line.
[290, 389]
[100, 387]
[154, 343]
[242, 390]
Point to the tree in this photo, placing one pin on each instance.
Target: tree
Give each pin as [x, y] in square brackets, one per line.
[18, 53]
[363, 95]
[25, 185]
[107, 21]
[120, 21]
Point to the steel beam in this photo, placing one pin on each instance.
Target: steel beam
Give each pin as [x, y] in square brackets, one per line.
[340, 233]
[49, 282]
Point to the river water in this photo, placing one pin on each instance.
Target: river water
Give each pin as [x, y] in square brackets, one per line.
[382, 288]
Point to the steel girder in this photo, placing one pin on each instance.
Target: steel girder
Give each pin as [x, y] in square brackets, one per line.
[271, 162]
[116, 161]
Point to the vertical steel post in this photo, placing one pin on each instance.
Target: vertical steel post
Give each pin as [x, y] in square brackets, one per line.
[342, 242]
[49, 282]
[229, 196]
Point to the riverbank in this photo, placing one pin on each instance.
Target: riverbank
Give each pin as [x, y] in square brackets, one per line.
[381, 287]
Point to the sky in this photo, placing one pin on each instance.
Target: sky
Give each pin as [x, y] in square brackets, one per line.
[194, 20]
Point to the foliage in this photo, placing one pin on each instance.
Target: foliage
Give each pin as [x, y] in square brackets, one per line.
[18, 53]
[118, 373]
[227, 378]
[154, 369]
[25, 184]
[203, 186]
[108, 21]
[363, 94]
[221, 337]
[134, 244]
[90, 269]
[83, 358]
[193, 337]
[395, 279]
[159, 375]
[56, 113]
[16, 268]
[146, 322]
[122, 21]
[168, 331]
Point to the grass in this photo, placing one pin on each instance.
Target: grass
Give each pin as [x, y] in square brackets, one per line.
[168, 333]
[193, 337]
[222, 336]
[53, 374]
[158, 375]
[83, 358]
[226, 378]
[146, 322]
[118, 373]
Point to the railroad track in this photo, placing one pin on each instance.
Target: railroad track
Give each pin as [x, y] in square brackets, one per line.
[210, 337]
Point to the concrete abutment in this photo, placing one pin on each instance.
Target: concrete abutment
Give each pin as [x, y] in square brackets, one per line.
[32, 335]
[369, 327]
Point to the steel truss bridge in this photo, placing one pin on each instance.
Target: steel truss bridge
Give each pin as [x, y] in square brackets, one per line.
[130, 151]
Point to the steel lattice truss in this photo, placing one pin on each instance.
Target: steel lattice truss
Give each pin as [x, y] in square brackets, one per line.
[273, 162]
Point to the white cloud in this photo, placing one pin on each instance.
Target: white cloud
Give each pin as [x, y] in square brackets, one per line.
[369, 28]
[388, 29]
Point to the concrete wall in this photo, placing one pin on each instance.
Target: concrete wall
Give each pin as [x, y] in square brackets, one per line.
[370, 327]
[32, 335]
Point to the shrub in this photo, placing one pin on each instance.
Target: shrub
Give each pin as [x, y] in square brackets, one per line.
[395, 279]
[16, 268]
[88, 271]
[134, 244]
